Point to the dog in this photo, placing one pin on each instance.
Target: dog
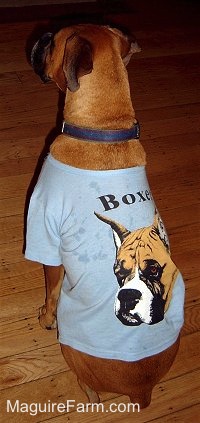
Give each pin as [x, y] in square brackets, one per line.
[118, 326]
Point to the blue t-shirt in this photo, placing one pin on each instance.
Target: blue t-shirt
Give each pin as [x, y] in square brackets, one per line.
[122, 296]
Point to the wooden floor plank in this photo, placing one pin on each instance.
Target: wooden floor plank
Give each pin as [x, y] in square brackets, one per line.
[190, 414]
[23, 304]
[30, 147]
[192, 317]
[17, 270]
[24, 335]
[166, 399]
[186, 415]
[32, 365]
[58, 388]
[181, 42]
[30, 277]
[189, 351]
[11, 229]
[8, 207]
[8, 186]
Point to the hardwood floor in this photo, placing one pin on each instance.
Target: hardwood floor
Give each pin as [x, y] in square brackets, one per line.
[165, 87]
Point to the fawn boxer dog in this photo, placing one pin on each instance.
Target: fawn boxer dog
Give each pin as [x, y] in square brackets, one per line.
[110, 281]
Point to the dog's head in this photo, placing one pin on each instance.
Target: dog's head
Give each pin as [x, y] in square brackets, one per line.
[145, 272]
[68, 55]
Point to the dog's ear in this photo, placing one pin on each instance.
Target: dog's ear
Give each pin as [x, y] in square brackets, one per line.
[160, 228]
[133, 48]
[119, 231]
[39, 54]
[77, 61]
[129, 45]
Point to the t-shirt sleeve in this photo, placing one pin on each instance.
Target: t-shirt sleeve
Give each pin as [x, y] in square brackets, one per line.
[42, 235]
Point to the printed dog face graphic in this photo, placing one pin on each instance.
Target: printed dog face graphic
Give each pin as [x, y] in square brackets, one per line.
[144, 271]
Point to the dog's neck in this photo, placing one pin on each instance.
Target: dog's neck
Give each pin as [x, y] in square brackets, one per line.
[103, 101]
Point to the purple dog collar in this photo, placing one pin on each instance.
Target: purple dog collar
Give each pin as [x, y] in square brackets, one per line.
[116, 135]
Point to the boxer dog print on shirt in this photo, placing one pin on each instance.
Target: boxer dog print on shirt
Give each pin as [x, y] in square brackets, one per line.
[144, 271]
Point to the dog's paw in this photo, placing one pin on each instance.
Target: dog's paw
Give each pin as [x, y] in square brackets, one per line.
[46, 320]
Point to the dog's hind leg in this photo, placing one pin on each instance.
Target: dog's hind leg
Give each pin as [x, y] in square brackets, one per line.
[143, 398]
[91, 394]
[53, 280]
[79, 364]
